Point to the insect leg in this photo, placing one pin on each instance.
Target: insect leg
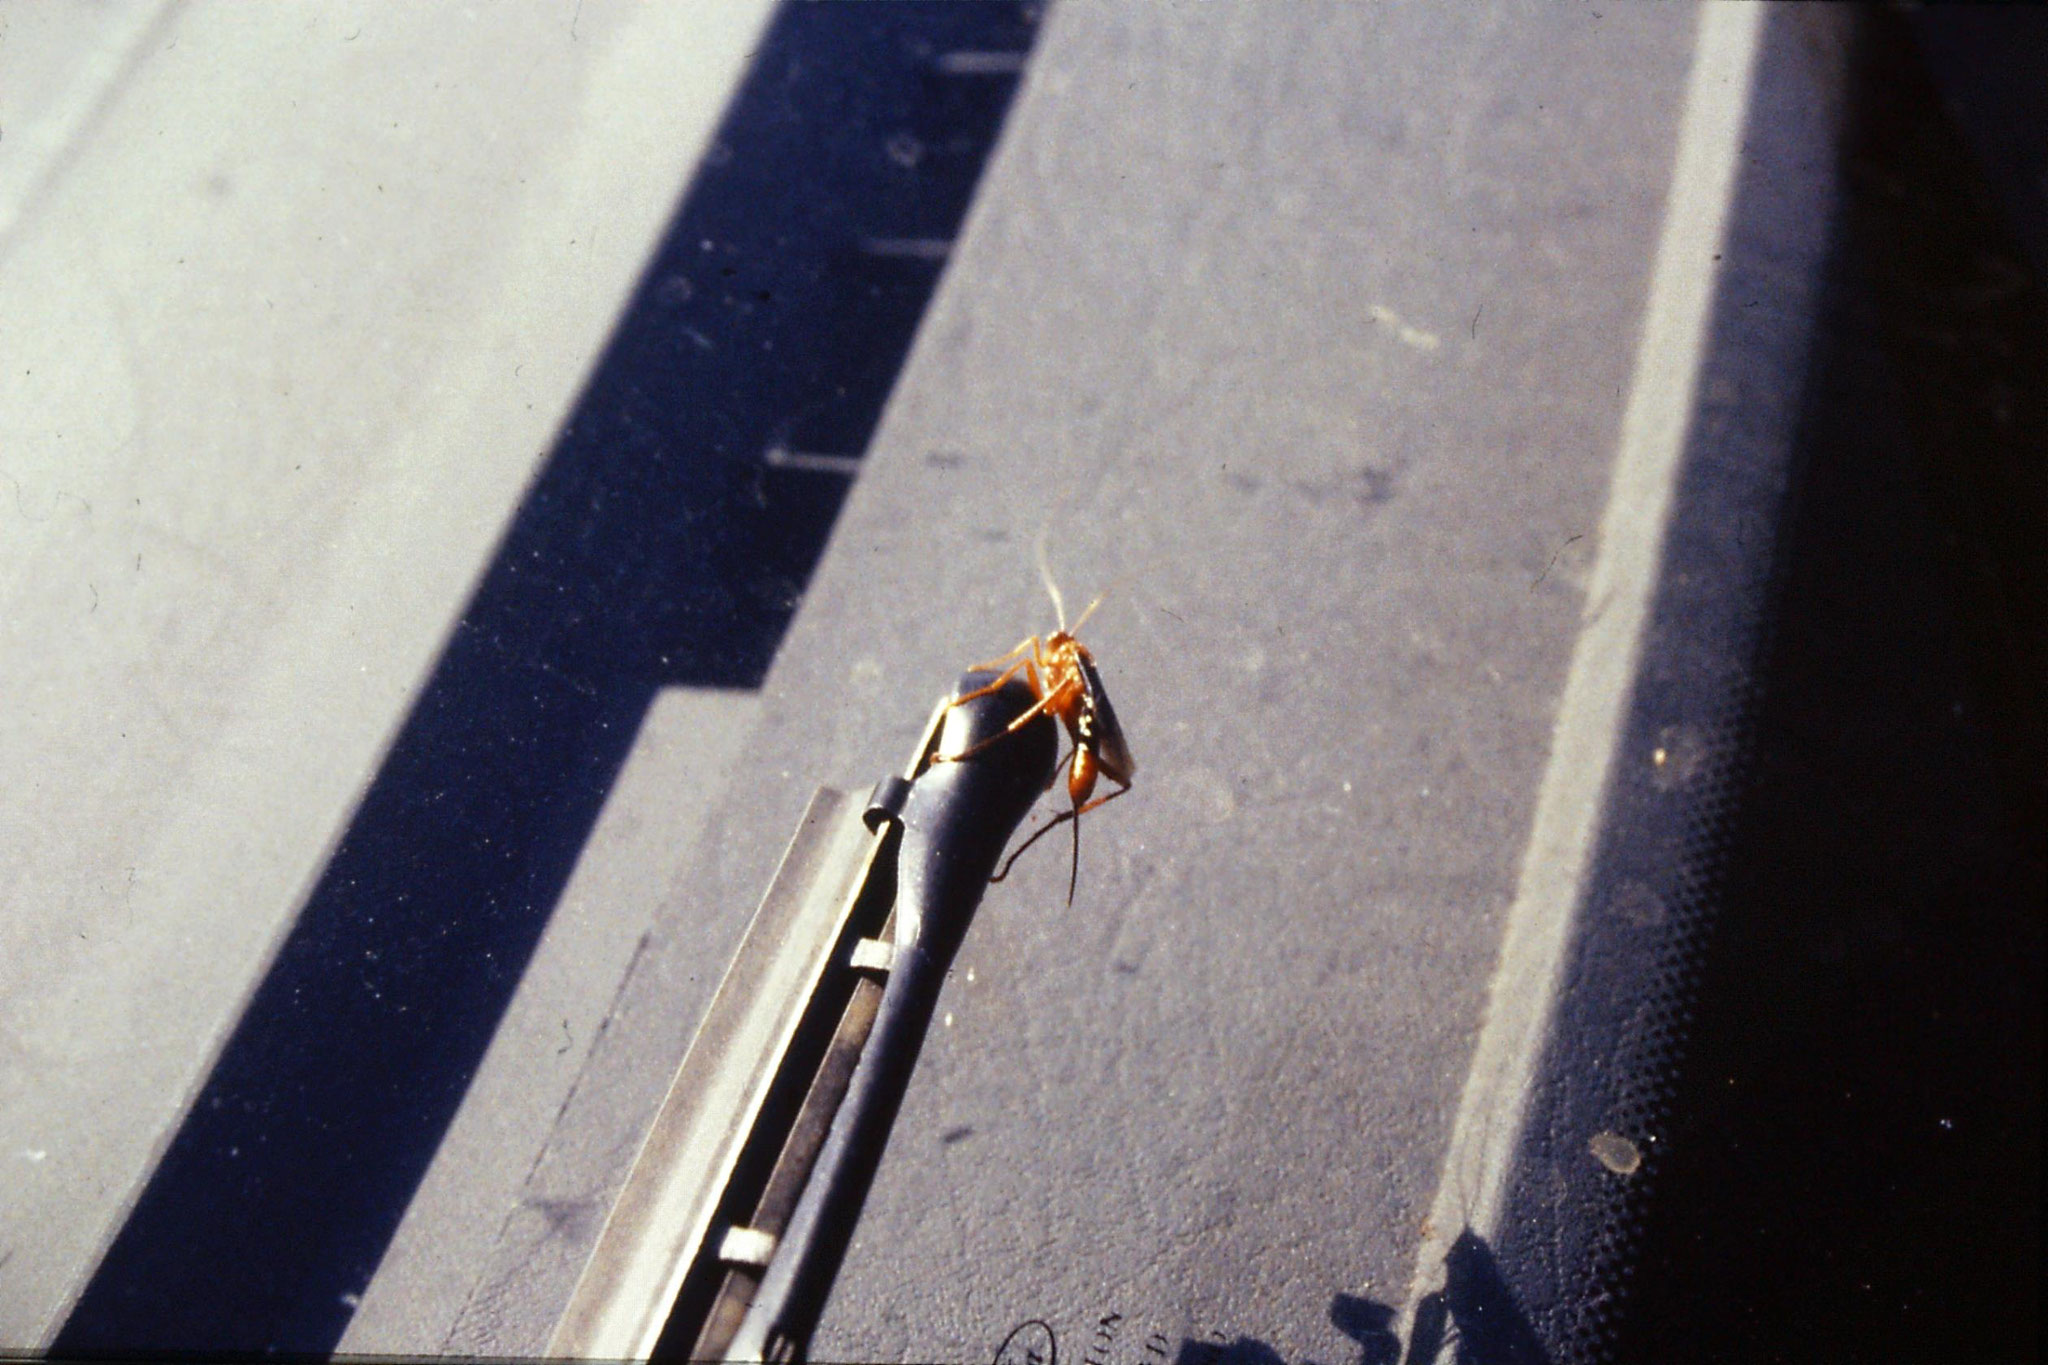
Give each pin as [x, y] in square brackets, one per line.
[1045, 699]
[993, 687]
[1024, 718]
[1028, 645]
[1075, 814]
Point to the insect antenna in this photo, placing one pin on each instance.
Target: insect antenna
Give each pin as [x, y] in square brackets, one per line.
[1075, 629]
[1059, 605]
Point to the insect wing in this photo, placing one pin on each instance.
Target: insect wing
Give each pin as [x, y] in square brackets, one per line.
[1111, 748]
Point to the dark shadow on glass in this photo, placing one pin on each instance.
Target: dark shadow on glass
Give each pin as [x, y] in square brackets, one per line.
[1853, 1168]
[1242, 1351]
[1475, 1314]
[1365, 1321]
[1370, 1324]
[1807, 990]
[666, 540]
[1991, 62]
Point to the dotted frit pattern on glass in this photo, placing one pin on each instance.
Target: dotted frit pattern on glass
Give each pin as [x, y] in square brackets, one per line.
[1601, 1119]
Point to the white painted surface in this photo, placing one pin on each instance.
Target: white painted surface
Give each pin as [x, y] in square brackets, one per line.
[287, 315]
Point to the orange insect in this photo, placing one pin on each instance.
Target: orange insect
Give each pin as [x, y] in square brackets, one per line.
[1062, 674]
